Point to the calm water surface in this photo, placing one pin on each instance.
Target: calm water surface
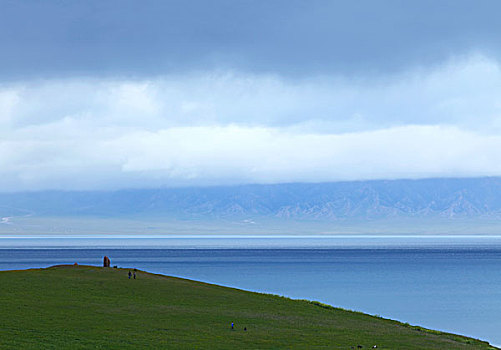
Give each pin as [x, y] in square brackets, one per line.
[451, 284]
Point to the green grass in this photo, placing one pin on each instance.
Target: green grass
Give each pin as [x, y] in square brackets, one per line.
[86, 307]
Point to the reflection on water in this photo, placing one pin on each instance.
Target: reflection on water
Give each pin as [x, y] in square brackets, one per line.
[247, 241]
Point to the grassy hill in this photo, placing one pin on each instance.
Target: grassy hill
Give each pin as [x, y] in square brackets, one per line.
[77, 307]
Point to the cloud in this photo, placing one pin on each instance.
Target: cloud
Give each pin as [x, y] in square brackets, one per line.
[291, 37]
[230, 127]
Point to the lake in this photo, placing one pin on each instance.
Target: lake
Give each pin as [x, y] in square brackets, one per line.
[448, 283]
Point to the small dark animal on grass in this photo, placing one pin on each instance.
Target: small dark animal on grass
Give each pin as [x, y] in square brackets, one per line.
[359, 346]
[106, 262]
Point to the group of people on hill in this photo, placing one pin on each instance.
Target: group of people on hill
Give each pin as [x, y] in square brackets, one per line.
[233, 327]
[130, 274]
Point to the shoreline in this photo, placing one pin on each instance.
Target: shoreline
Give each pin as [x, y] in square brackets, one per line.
[217, 266]
[214, 285]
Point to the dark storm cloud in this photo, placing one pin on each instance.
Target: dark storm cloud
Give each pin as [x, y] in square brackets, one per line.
[137, 38]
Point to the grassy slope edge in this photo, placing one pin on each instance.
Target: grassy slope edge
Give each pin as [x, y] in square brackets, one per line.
[72, 307]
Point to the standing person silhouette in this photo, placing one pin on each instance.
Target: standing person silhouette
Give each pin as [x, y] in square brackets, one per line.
[130, 274]
[134, 274]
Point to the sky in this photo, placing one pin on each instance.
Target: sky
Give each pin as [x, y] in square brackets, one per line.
[135, 94]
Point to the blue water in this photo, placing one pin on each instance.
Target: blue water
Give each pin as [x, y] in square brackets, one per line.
[450, 284]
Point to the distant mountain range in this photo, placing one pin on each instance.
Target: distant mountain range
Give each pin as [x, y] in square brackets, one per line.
[359, 200]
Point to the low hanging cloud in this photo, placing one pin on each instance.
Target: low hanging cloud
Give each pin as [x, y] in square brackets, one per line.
[211, 128]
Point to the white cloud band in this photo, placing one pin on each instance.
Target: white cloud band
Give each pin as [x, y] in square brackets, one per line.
[236, 128]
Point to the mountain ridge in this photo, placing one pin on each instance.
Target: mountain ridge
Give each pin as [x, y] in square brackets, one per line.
[360, 200]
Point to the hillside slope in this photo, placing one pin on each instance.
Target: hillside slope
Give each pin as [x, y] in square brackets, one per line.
[77, 307]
